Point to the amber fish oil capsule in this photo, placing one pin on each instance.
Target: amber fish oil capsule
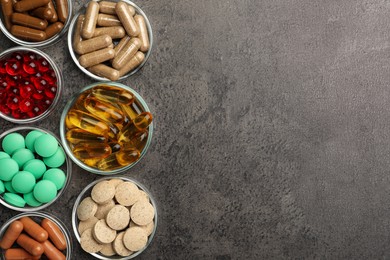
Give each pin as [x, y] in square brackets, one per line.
[76, 136]
[88, 122]
[90, 20]
[127, 155]
[91, 151]
[113, 95]
[127, 19]
[104, 111]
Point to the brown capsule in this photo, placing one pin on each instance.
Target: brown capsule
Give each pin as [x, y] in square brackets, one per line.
[143, 32]
[108, 20]
[27, 5]
[12, 233]
[62, 10]
[132, 64]
[93, 44]
[121, 44]
[43, 12]
[127, 53]
[19, 254]
[52, 252]
[115, 32]
[90, 20]
[127, 19]
[53, 29]
[107, 7]
[96, 57]
[34, 229]
[30, 245]
[105, 72]
[29, 21]
[54, 18]
[55, 234]
[77, 32]
[6, 8]
[27, 33]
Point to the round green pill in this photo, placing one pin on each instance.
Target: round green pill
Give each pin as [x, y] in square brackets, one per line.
[13, 142]
[45, 145]
[8, 186]
[31, 200]
[56, 160]
[45, 191]
[36, 167]
[4, 155]
[23, 182]
[57, 176]
[30, 139]
[2, 187]
[22, 156]
[8, 168]
[14, 199]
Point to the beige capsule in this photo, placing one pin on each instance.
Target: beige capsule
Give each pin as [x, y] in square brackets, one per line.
[90, 20]
[77, 31]
[133, 63]
[127, 19]
[108, 20]
[115, 32]
[125, 55]
[93, 44]
[105, 71]
[107, 7]
[54, 18]
[143, 32]
[121, 44]
[96, 57]
[53, 29]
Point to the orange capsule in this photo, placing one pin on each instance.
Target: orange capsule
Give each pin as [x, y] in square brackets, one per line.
[12, 233]
[30, 245]
[19, 254]
[55, 234]
[34, 229]
[52, 252]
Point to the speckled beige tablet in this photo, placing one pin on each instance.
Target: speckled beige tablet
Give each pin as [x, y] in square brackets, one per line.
[103, 209]
[86, 209]
[135, 238]
[118, 217]
[142, 213]
[103, 192]
[88, 243]
[148, 228]
[116, 181]
[108, 250]
[143, 195]
[127, 193]
[119, 247]
[103, 233]
[86, 224]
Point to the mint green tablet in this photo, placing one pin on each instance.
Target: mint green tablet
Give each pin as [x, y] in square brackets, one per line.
[14, 200]
[8, 186]
[13, 142]
[57, 176]
[8, 168]
[56, 160]
[45, 191]
[30, 139]
[23, 182]
[30, 200]
[4, 155]
[22, 156]
[36, 167]
[45, 145]
[2, 187]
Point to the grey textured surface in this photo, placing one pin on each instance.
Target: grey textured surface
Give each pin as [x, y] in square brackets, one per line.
[272, 129]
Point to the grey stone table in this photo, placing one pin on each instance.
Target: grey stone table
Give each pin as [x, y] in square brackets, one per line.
[272, 129]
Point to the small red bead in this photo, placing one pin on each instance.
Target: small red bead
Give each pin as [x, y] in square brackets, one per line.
[13, 68]
[26, 105]
[31, 67]
[13, 102]
[43, 65]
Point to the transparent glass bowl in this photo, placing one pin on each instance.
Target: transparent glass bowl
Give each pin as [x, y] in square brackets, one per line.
[87, 192]
[75, 56]
[59, 77]
[44, 43]
[143, 106]
[38, 216]
[66, 167]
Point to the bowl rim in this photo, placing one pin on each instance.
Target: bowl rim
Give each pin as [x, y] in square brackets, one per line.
[42, 44]
[68, 171]
[90, 74]
[88, 188]
[42, 214]
[60, 83]
[63, 129]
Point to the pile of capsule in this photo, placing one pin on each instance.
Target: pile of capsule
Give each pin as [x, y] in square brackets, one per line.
[34, 20]
[106, 128]
[26, 239]
[111, 39]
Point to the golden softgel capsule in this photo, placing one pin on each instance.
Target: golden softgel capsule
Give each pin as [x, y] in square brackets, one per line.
[91, 151]
[76, 136]
[139, 124]
[88, 122]
[114, 95]
[127, 155]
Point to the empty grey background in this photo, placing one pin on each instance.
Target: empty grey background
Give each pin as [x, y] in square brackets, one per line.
[272, 126]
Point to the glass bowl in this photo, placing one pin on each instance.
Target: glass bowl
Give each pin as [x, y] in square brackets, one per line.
[44, 82]
[139, 102]
[37, 217]
[66, 168]
[75, 56]
[86, 192]
[40, 44]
